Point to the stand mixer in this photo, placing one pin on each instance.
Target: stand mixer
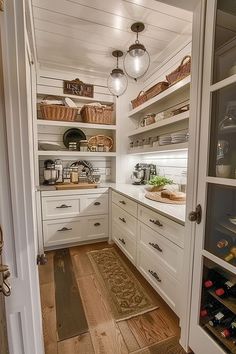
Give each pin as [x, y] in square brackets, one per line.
[142, 173]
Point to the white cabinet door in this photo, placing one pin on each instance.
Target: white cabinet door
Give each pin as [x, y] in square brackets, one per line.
[96, 227]
[94, 204]
[215, 235]
[61, 207]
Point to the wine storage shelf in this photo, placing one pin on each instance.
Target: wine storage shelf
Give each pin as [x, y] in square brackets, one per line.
[216, 331]
[230, 302]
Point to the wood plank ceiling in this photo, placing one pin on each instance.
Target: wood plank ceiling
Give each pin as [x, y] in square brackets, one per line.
[81, 34]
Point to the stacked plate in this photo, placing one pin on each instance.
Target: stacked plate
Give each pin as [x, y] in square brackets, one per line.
[165, 140]
[178, 138]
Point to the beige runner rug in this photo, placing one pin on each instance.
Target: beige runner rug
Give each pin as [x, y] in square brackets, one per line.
[126, 296]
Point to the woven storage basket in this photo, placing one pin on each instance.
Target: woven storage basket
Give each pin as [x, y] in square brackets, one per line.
[97, 115]
[156, 89]
[181, 72]
[58, 112]
[142, 97]
[101, 139]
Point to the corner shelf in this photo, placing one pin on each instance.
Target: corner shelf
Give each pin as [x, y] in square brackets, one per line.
[153, 150]
[75, 153]
[75, 124]
[163, 123]
[168, 93]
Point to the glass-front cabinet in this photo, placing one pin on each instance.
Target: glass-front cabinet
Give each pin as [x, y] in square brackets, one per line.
[213, 317]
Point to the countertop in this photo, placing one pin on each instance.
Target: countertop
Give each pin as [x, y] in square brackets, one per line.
[137, 193]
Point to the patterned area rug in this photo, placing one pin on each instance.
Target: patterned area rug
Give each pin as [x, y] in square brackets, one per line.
[126, 295]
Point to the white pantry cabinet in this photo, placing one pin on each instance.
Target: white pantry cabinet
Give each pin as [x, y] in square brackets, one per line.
[73, 217]
[215, 234]
[153, 243]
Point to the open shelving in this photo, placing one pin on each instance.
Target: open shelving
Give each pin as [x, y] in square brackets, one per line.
[165, 95]
[80, 125]
[163, 123]
[153, 150]
[75, 153]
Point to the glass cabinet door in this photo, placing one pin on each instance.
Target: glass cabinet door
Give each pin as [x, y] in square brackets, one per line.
[214, 282]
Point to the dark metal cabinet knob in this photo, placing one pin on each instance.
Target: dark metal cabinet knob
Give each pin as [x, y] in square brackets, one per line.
[63, 206]
[154, 274]
[122, 219]
[97, 224]
[122, 202]
[156, 222]
[65, 229]
[122, 240]
[156, 246]
[97, 203]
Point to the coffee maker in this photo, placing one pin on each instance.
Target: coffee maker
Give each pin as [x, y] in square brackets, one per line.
[142, 173]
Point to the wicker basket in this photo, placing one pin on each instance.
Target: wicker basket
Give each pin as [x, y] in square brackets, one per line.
[156, 89]
[97, 115]
[57, 112]
[181, 72]
[142, 97]
[101, 139]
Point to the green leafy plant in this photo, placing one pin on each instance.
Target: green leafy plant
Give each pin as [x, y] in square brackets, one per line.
[159, 181]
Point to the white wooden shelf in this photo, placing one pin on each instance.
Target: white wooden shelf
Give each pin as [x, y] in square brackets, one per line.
[75, 124]
[167, 94]
[53, 91]
[153, 150]
[75, 153]
[163, 123]
[223, 83]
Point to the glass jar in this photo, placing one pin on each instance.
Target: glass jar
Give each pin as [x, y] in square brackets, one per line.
[74, 175]
[83, 145]
[100, 147]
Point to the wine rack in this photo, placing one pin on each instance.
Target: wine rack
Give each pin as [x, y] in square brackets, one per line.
[225, 305]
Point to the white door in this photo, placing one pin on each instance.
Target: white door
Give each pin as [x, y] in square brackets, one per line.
[215, 236]
[23, 313]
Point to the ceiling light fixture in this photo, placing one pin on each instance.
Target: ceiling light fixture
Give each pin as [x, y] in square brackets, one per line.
[137, 59]
[117, 81]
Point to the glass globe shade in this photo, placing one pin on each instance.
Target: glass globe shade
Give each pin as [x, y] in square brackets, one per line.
[117, 82]
[137, 61]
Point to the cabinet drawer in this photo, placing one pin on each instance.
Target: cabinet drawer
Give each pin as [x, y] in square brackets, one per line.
[59, 207]
[94, 204]
[159, 278]
[166, 227]
[125, 203]
[61, 232]
[126, 243]
[168, 254]
[126, 222]
[96, 227]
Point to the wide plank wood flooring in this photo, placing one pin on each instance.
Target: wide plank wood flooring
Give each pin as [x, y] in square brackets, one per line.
[141, 334]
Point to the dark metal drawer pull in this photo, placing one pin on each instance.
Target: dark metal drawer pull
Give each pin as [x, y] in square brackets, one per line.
[156, 246]
[65, 229]
[97, 224]
[64, 206]
[122, 240]
[156, 222]
[97, 203]
[154, 274]
[122, 219]
[122, 202]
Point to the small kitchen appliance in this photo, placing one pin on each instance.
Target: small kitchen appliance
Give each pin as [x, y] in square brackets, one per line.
[50, 173]
[142, 173]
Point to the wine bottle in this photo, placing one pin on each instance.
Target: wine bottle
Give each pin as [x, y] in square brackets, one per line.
[231, 255]
[220, 318]
[213, 279]
[226, 290]
[210, 308]
[230, 331]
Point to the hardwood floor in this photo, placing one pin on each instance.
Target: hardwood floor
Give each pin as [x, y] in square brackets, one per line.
[139, 334]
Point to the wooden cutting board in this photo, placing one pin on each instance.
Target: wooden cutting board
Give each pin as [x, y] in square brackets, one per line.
[76, 186]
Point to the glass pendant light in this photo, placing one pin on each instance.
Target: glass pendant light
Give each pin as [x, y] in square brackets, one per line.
[137, 59]
[117, 81]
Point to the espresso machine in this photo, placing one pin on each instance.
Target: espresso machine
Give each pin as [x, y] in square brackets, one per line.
[142, 173]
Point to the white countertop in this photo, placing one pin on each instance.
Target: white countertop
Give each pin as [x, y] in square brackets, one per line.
[137, 193]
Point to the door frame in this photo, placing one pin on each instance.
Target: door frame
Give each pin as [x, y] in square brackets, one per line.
[23, 309]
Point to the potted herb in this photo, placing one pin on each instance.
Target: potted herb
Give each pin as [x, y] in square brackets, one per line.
[158, 183]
